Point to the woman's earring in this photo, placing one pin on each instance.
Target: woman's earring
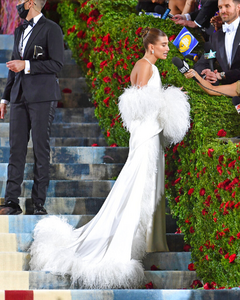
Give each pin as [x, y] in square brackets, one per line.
[152, 51]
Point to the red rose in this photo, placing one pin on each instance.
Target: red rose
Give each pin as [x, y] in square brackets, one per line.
[106, 39]
[107, 90]
[226, 256]
[232, 258]
[108, 133]
[67, 91]
[149, 285]
[210, 151]
[103, 64]
[106, 101]
[83, 16]
[114, 145]
[190, 191]
[186, 248]
[172, 37]
[138, 31]
[154, 268]
[107, 79]
[221, 133]
[177, 180]
[177, 199]
[83, 4]
[127, 78]
[238, 235]
[204, 212]
[208, 286]
[220, 159]
[94, 145]
[202, 192]
[196, 284]
[191, 230]
[90, 65]
[191, 267]
[81, 34]
[232, 164]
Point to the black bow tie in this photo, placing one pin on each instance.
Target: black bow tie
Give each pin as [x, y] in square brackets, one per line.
[26, 23]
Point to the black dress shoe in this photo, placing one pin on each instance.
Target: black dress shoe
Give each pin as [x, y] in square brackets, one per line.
[39, 210]
[10, 208]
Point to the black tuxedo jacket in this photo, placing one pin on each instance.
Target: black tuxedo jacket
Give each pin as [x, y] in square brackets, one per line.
[218, 44]
[42, 83]
[208, 10]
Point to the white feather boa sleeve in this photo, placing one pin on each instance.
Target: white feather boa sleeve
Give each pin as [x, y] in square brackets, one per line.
[170, 107]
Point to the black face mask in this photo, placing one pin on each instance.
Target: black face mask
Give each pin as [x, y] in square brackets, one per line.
[22, 11]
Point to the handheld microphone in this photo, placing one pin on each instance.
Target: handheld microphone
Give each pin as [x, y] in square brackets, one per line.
[192, 56]
[210, 56]
[236, 103]
[183, 67]
[165, 13]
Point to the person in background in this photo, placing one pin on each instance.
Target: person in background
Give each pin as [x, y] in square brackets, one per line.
[33, 91]
[231, 90]
[226, 43]
[198, 18]
[149, 5]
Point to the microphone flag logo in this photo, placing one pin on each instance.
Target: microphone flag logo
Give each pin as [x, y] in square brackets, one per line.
[185, 41]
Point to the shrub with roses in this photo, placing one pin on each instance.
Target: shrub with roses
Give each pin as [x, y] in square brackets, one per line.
[202, 171]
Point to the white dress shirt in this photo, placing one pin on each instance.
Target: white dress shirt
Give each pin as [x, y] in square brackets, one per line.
[229, 39]
[25, 37]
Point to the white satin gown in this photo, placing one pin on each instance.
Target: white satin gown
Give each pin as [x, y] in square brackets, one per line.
[107, 252]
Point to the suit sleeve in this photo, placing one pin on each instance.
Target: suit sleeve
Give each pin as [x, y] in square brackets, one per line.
[231, 76]
[54, 62]
[207, 11]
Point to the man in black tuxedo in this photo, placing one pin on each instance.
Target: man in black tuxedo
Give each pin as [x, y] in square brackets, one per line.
[226, 43]
[33, 91]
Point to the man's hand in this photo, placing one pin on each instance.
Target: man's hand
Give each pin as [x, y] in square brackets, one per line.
[16, 65]
[211, 77]
[3, 110]
[177, 18]
[190, 24]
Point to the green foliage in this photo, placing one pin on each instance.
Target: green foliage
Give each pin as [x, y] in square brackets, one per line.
[104, 38]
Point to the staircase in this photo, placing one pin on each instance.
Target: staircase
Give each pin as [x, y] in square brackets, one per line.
[81, 178]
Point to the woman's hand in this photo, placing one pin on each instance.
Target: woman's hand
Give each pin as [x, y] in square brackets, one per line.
[189, 74]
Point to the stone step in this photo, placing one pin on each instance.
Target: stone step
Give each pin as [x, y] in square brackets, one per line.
[63, 142]
[19, 261]
[168, 260]
[78, 206]
[71, 155]
[5, 55]
[6, 41]
[3, 70]
[71, 171]
[76, 85]
[11, 241]
[70, 71]
[24, 280]
[138, 294]
[66, 130]
[70, 115]
[75, 100]
[67, 188]
[65, 206]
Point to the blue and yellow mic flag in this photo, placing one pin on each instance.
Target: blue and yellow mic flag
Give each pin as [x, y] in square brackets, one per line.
[185, 41]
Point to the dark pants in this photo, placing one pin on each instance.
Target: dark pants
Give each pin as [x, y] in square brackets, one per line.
[38, 118]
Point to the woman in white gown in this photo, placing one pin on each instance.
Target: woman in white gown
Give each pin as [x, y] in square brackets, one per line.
[107, 252]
